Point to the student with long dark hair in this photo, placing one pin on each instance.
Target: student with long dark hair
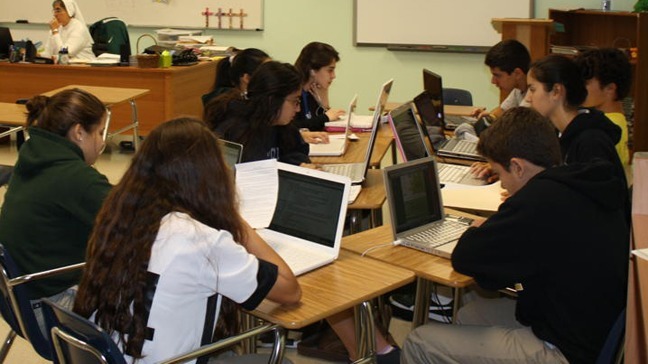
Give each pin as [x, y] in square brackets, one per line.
[168, 242]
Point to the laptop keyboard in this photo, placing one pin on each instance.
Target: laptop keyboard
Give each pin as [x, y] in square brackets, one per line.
[440, 234]
[464, 146]
[344, 169]
[452, 173]
[298, 260]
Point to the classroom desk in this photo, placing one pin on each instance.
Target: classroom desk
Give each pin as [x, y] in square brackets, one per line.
[371, 198]
[357, 149]
[175, 91]
[460, 110]
[112, 97]
[427, 267]
[13, 116]
[346, 283]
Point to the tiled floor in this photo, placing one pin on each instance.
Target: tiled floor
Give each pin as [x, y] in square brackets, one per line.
[113, 163]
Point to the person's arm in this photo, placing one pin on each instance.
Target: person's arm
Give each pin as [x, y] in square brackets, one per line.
[286, 289]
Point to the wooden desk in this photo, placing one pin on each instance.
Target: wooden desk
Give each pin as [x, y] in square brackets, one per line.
[13, 116]
[111, 97]
[348, 282]
[356, 150]
[371, 198]
[447, 109]
[175, 91]
[428, 267]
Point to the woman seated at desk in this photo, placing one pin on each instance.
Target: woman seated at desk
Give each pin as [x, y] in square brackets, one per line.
[316, 63]
[68, 29]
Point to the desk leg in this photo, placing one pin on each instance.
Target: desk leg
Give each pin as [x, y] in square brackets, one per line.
[366, 337]
[108, 117]
[135, 124]
[456, 304]
[421, 302]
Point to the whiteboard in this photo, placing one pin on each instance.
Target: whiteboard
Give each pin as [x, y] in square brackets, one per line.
[146, 13]
[448, 24]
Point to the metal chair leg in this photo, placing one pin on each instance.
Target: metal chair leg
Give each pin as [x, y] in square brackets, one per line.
[7, 345]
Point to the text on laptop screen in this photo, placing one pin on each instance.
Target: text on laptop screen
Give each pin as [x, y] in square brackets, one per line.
[308, 208]
[408, 133]
[415, 192]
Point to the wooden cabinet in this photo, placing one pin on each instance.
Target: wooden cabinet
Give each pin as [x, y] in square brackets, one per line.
[613, 29]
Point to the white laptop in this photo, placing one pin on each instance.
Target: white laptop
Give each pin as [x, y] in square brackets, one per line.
[308, 220]
[357, 171]
[411, 143]
[417, 217]
[337, 144]
[232, 152]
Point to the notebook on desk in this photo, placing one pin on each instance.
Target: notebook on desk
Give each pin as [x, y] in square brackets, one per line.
[357, 171]
[417, 216]
[412, 145]
[308, 220]
[337, 144]
[429, 108]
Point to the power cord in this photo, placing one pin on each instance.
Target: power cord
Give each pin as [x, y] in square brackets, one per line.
[393, 243]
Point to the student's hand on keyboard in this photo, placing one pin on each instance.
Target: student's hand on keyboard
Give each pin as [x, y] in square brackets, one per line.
[483, 171]
[478, 112]
[315, 137]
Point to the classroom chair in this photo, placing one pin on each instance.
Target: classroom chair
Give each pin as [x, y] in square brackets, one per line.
[612, 351]
[76, 340]
[457, 96]
[16, 309]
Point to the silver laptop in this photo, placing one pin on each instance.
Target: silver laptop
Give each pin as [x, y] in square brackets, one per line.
[306, 228]
[357, 171]
[337, 144]
[429, 109]
[232, 152]
[411, 143]
[417, 217]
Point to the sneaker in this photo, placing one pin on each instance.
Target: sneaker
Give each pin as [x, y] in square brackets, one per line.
[392, 357]
[403, 307]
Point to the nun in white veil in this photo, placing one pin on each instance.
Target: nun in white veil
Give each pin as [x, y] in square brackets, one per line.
[69, 29]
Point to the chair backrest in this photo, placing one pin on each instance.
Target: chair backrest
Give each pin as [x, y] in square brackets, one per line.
[77, 340]
[457, 96]
[16, 309]
[612, 350]
[109, 35]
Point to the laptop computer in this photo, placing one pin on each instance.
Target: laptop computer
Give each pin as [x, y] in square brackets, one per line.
[433, 84]
[232, 152]
[430, 110]
[5, 42]
[306, 228]
[416, 209]
[357, 171]
[412, 145]
[337, 142]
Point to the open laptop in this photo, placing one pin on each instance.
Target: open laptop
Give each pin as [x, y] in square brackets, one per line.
[337, 142]
[430, 110]
[412, 145]
[357, 171]
[433, 84]
[5, 42]
[232, 152]
[306, 228]
[416, 209]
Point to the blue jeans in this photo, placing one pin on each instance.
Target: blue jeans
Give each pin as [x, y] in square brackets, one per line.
[64, 299]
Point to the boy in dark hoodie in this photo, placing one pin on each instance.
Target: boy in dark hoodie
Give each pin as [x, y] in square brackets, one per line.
[561, 239]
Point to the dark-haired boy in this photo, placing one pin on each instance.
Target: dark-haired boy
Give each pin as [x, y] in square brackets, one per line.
[608, 75]
[561, 239]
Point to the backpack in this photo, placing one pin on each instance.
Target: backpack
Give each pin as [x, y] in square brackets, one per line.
[110, 35]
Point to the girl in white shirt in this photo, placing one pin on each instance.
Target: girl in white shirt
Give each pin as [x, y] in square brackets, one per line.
[68, 29]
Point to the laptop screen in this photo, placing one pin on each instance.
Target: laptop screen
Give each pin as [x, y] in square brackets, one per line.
[232, 152]
[308, 207]
[407, 133]
[5, 42]
[414, 195]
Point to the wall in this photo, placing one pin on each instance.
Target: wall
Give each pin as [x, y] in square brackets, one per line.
[290, 24]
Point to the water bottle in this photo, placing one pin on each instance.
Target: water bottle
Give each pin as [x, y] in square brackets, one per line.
[606, 5]
[63, 56]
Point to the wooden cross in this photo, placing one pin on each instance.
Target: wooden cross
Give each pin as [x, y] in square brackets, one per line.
[242, 14]
[230, 15]
[207, 14]
[220, 15]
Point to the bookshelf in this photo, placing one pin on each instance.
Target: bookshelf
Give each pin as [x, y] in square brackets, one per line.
[618, 29]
